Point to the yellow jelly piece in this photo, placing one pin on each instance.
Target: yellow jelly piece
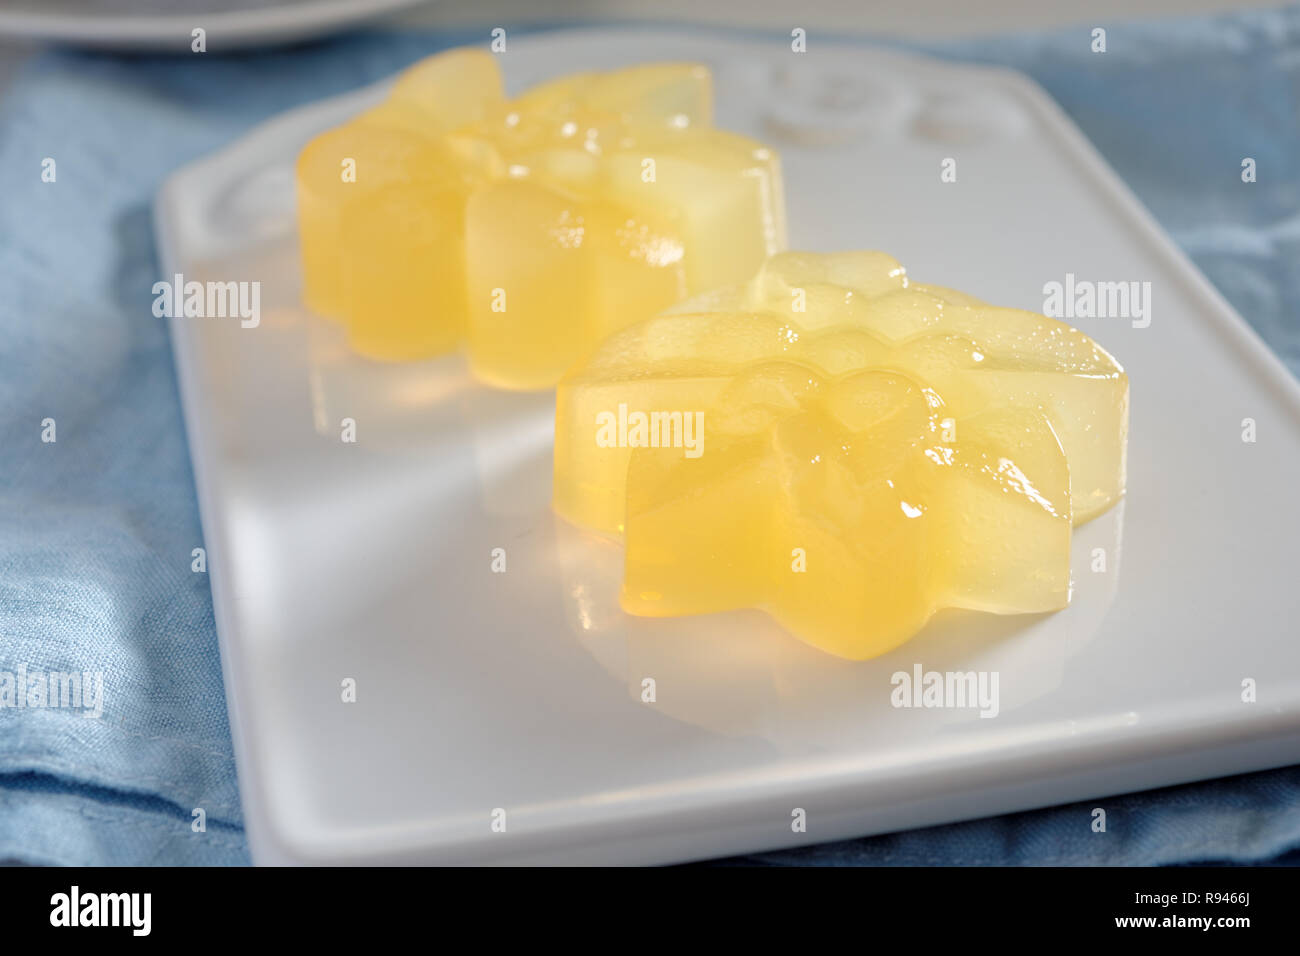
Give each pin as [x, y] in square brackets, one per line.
[528, 229]
[846, 449]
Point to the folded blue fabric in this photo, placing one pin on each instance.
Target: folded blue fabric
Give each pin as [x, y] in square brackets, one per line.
[97, 526]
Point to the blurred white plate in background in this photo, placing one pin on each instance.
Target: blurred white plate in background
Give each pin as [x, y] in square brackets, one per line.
[167, 25]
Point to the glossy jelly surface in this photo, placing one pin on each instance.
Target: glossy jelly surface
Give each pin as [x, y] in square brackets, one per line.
[528, 229]
[844, 448]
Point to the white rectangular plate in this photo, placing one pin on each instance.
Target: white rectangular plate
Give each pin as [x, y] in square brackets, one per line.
[522, 691]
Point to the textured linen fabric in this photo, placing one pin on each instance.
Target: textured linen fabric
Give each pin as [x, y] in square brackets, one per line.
[97, 527]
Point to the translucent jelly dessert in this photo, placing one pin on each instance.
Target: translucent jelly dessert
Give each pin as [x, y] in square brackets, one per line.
[844, 448]
[528, 229]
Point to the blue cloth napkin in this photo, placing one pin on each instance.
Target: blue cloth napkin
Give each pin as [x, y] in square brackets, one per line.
[97, 527]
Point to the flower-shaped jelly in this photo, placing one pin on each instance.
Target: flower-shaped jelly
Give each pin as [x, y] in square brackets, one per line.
[844, 448]
[528, 229]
